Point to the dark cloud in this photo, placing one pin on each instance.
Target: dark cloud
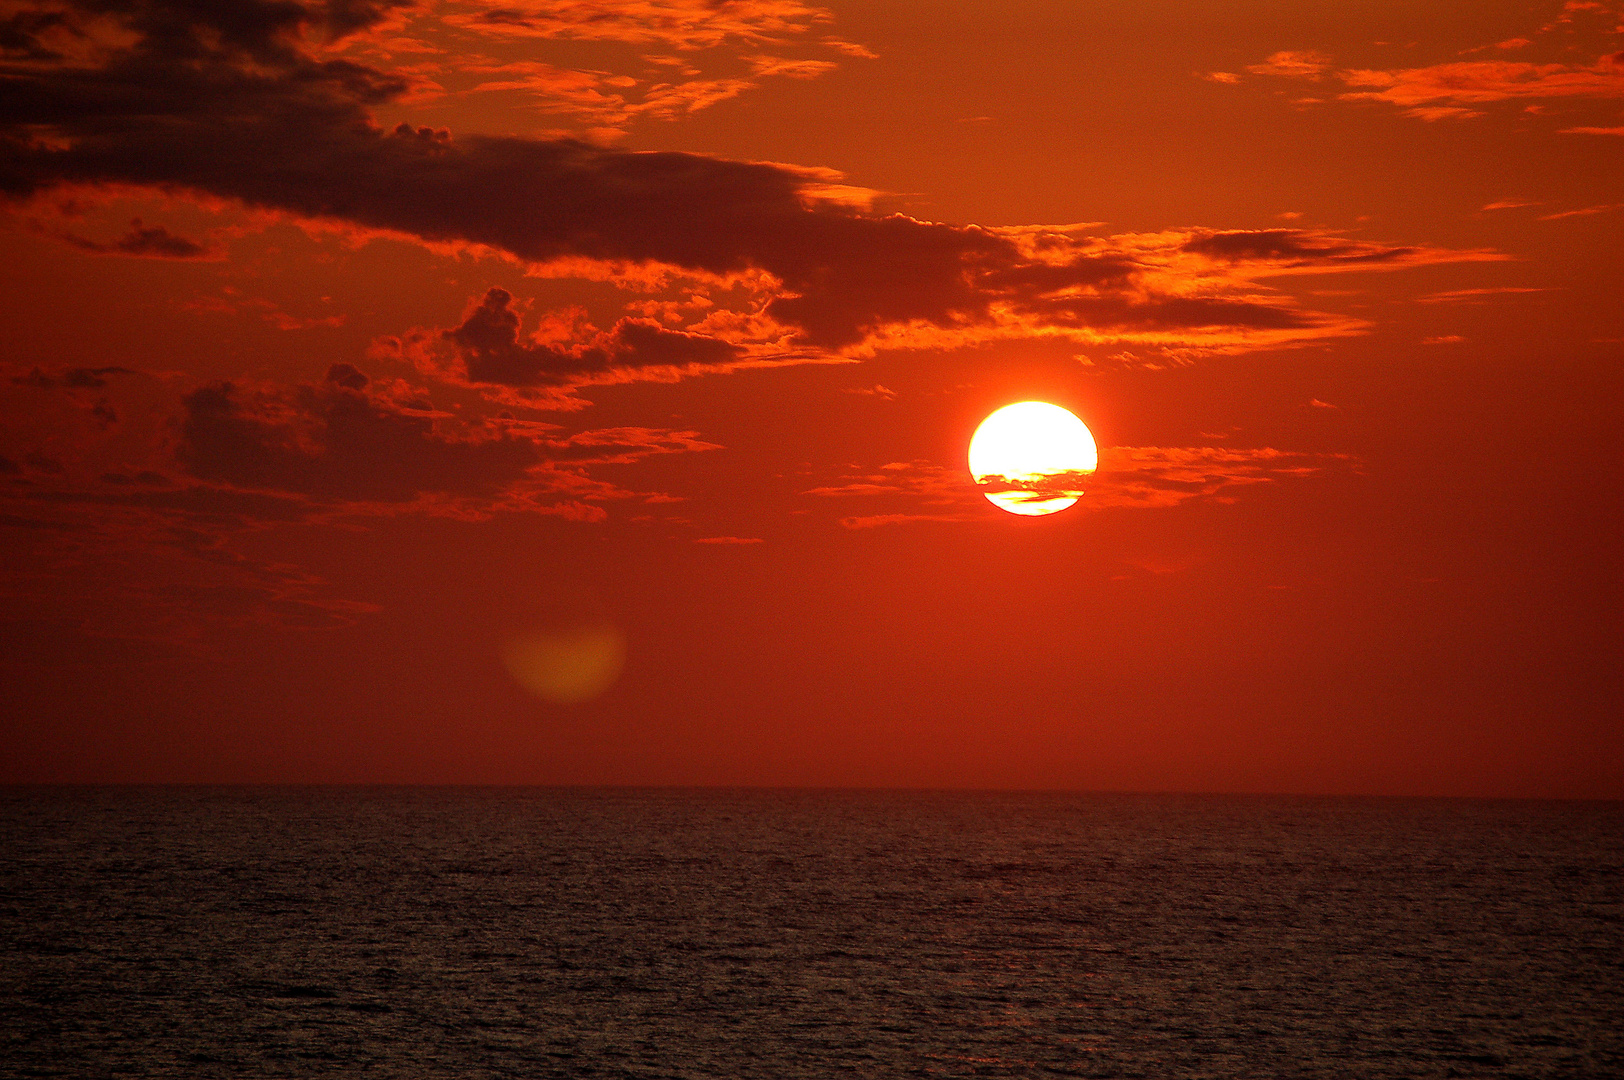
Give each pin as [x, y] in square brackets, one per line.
[348, 376]
[1153, 312]
[194, 508]
[234, 455]
[79, 378]
[1292, 247]
[1055, 485]
[337, 443]
[640, 343]
[145, 478]
[489, 345]
[229, 100]
[22, 35]
[345, 443]
[146, 241]
[18, 521]
[491, 349]
[104, 414]
[1046, 278]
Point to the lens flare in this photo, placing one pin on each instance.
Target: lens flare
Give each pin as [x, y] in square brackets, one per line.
[567, 667]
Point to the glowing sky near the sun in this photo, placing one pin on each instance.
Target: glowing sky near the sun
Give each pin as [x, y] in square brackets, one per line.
[581, 392]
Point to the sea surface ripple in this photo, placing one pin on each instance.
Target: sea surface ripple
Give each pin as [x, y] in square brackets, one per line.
[509, 932]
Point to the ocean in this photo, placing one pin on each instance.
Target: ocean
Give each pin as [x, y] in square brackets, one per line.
[534, 932]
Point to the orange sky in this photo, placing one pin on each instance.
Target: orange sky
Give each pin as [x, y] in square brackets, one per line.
[348, 343]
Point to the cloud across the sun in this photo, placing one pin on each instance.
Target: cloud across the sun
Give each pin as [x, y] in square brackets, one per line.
[1138, 477]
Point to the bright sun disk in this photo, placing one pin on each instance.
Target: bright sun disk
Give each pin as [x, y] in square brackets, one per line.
[1030, 458]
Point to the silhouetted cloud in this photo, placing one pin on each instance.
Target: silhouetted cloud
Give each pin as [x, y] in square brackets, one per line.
[77, 378]
[146, 241]
[236, 102]
[335, 442]
[1290, 248]
[490, 349]
[339, 443]
[1062, 484]
[233, 453]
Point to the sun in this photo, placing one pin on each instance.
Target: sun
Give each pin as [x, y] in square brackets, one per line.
[1030, 458]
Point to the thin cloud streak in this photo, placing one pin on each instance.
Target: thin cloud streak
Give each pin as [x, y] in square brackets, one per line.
[1140, 477]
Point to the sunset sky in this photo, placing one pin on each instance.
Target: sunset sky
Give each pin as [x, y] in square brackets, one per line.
[358, 354]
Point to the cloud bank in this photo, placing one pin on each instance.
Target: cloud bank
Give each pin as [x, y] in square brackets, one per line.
[250, 103]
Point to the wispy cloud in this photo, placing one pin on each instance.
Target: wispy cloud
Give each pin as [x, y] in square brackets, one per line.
[718, 51]
[1304, 64]
[1475, 296]
[1583, 212]
[1459, 89]
[680, 24]
[1128, 477]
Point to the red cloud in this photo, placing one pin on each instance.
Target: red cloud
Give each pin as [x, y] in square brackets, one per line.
[1305, 64]
[203, 106]
[1456, 85]
[1454, 89]
[720, 53]
[684, 24]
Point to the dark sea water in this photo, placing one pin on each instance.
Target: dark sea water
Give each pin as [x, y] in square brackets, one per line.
[282, 932]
